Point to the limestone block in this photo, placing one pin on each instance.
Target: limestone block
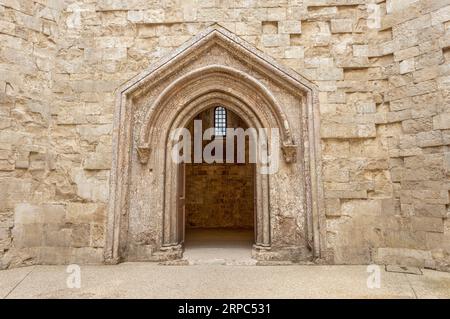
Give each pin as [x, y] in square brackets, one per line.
[86, 213]
[114, 53]
[351, 62]
[393, 6]
[28, 235]
[97, 236]
[444, 42]
[56, 236]
[210, 14]
[97, 160]
[429, 59]
[341, 25]
[402, 256]
[7, 160]
[5, 122]
[5, 234]
[360, 50]
[289, 26]
[398, 116]
[248, 28]
[53, 255]
[316, 62]
[444, 83]
[154, 16]
[408, 53]
[81, 235]
[432, 138]
[28, 21]
[421, 88]
[276, 14]
[441, 121]
[361, 207]
[86, 255]
[189, 8]
[94, 86]
[441, 15]
[426, 74]
[71, 115]
[332, 207]
[342, 194]
[389, 206]
[407, 66]
[32, 214]
[172, 41]
[135, 16]
[296, 52]
[447, 163]
[269, 27]
[275, 40]
[429, 210]
[446, 137]
[53, 213]
[27, 214]
[334, 171]
[429, 224]
[366, 107]
[425, 160]
[90, 187]
[329, 74]
[332, 130]
[92, 133]
[437, 241]
[418, 125]
[7, 27]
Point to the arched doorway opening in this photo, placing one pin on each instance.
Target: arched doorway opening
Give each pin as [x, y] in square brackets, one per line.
[214, 68]
[217, 194]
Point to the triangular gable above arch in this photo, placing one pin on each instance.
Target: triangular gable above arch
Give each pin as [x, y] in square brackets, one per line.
[157, 100]
[217, 35]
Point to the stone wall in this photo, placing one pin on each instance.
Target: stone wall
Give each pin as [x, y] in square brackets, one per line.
[219, 195]
[384, 101]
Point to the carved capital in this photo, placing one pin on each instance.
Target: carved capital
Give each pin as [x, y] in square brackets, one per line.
[143, 151]
[289, 153]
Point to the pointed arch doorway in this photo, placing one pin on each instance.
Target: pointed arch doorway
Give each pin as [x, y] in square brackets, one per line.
[243, 117]
[216, 196]
[214, 68]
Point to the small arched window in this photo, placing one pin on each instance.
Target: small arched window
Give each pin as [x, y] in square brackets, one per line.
[220, 121]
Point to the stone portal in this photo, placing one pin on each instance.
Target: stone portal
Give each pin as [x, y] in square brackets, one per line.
[147, 211]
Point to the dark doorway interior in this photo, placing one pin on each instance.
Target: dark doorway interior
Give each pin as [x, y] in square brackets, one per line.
[219, 197]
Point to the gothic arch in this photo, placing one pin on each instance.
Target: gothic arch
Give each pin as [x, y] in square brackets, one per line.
[187, 112]
[141, 144]
[214, 77]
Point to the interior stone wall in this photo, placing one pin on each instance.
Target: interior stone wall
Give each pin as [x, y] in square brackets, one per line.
[219, 195]
[384, 102]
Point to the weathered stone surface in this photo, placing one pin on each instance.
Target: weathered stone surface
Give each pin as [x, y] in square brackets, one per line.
[383, 96]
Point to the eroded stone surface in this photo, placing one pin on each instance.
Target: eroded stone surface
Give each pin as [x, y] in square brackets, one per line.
[384, 98]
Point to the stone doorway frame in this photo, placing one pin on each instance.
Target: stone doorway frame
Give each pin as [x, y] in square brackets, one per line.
[270, 114]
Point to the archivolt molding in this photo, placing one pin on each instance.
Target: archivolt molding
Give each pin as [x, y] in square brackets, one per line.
[181, 118]
[244, 94]
[221, 79]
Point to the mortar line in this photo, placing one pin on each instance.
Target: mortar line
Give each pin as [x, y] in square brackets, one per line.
[20, 281]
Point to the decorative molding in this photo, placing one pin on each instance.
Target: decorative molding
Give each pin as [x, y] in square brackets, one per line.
[143, 151]
[243, 84]
[289, 153]
[172, 104]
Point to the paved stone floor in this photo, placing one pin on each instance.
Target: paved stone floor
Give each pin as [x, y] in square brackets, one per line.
[150, 280]
[219, 247]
